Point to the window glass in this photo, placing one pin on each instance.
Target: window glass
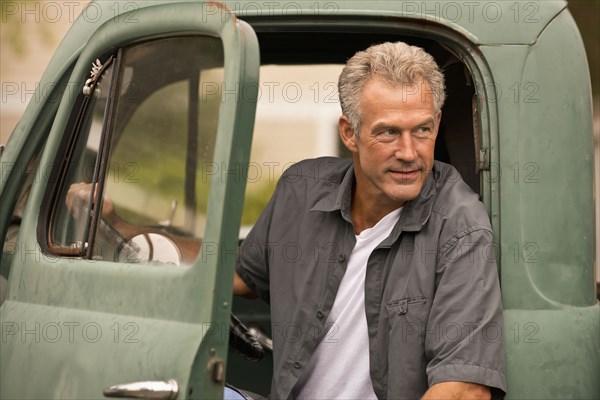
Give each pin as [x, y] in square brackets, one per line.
[161, 151]
[153, 158]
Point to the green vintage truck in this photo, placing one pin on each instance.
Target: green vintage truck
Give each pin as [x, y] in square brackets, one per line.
[151, 104]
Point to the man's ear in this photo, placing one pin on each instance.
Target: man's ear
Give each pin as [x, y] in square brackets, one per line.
[347, 134]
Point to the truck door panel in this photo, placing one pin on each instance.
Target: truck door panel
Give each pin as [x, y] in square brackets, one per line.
[78, 320]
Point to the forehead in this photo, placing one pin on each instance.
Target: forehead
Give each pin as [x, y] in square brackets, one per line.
[380, 94]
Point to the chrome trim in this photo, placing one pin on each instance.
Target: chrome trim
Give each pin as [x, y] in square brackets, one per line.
[157, 390]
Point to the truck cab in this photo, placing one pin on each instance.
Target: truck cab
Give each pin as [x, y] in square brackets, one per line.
[150, 109]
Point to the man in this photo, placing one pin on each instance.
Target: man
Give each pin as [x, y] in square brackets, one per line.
[378, 269]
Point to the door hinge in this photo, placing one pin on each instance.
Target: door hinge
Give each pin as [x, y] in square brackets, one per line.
[216, 368]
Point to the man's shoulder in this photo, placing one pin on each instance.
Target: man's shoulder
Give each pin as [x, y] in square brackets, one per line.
[455, 200]
[311, 181]
[330, 169]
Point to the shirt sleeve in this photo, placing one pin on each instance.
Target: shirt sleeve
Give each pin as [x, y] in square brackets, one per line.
[464, 337]
[253, 258]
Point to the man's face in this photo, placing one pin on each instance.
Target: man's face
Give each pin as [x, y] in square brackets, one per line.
[393, 153]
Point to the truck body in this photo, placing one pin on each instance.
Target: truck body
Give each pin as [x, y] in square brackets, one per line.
[153, 104]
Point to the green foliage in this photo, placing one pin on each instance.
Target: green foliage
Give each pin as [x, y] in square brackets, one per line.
[255, 200]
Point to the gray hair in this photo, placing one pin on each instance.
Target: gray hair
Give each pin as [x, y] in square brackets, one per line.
[397, 63]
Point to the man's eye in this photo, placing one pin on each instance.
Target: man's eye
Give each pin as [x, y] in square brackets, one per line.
[423, 130]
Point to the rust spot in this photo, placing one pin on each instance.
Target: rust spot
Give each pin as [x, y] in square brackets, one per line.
[224, 8]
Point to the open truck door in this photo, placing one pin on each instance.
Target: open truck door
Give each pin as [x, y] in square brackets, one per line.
[152, 117]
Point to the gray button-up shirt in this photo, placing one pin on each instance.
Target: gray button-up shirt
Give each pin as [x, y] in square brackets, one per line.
[432, 298]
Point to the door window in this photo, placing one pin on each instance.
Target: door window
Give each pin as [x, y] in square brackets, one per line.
[137, 182]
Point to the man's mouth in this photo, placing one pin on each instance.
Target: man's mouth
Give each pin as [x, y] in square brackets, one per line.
[405, 175]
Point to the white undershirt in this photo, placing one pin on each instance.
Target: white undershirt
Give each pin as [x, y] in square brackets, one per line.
[339, 367]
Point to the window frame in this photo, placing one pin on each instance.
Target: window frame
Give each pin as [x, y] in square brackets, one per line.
[71, 139]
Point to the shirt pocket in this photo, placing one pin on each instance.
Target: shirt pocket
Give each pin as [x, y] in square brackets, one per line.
[406, 305]
[407, 320]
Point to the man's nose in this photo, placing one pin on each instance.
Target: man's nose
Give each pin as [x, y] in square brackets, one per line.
[405, 148]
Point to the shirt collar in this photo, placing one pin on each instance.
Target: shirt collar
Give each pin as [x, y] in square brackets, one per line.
[415, 213]
[340, 199]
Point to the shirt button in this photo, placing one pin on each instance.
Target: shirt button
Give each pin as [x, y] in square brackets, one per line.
[320, 314]
[341, 258]
[297, 365]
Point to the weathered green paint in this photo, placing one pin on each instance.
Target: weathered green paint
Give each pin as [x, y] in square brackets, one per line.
[166, 311]
[53, 359]
[545, 170]
[483, 22]
[552, 354]
[544, 174]
[531, 76]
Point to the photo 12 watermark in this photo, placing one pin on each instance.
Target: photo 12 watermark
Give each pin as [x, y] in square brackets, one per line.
[68, 11]
[70, 332]
[491, 12]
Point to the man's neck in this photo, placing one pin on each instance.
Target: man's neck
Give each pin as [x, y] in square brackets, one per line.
[366, 212]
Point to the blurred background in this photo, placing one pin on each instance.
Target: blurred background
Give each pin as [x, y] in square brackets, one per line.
[28, 39]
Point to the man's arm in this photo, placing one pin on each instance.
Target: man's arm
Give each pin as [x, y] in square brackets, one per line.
[241, 289]
[457, 391]
[468, 298]
[77, 199]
